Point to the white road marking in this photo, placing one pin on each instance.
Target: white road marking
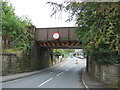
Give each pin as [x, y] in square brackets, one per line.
[52, 78]
[68, 68]
[45, 82]
[59, 74]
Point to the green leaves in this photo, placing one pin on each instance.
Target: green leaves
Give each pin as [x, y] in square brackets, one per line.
[61, 52]
[58, 52]
[101, 31]
[16, 29]
[97, 28]
[106, 56]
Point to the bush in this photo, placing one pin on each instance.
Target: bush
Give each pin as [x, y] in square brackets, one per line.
[106, 56]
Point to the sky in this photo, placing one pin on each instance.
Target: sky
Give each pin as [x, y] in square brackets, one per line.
[40, 13]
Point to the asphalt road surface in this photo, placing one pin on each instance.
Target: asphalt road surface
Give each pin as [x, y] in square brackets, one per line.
[63, 75]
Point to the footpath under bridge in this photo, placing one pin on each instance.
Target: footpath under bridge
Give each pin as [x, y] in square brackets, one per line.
[58, 37]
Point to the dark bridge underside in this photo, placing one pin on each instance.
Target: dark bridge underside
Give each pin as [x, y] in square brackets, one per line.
[68, 39]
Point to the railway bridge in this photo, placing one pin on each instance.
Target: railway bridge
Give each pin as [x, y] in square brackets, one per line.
[58, 37]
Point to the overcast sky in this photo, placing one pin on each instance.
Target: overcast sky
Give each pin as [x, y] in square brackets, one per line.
[40, 13]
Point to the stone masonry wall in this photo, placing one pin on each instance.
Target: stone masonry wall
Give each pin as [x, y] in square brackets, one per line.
[108, 74]
[42, 58]
[10, 64]
[38, 59]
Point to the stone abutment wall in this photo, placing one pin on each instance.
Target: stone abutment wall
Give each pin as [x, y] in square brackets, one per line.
[39, 58]
[108, 74]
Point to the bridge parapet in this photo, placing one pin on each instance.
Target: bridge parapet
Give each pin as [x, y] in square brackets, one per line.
[45, 34]
[44, 37]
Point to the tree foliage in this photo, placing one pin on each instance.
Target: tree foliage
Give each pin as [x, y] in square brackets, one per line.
[15, 29]
[58, 52]
[97, 28]
[62, 52]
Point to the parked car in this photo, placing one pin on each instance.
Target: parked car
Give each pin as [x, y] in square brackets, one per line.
[80, 57]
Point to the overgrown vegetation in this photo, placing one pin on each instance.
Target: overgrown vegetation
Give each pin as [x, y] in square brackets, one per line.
[97, 28]
[15, 31]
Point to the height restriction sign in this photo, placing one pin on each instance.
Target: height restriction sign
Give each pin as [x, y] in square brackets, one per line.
[56, 35]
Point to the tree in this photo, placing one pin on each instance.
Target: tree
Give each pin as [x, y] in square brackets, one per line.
[97, 28]
[15, 31]
[58, 52]
[68, 51]
[62, 52]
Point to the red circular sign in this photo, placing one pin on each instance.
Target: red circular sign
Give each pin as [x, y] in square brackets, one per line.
[56, 35]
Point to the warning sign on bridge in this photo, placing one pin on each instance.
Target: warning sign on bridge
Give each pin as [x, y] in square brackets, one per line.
[56, 35]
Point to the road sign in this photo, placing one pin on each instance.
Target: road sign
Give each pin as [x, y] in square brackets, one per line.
[56, 35]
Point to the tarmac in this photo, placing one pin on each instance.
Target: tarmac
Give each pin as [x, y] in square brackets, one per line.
[86, 79]
[89, 82]
[21, 75]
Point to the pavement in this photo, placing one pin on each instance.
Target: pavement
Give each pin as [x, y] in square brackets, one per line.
[90, 82]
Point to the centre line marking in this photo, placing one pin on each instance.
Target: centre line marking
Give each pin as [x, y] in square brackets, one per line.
[59, 74]
[67, 69]
[45, 82]
[70, 67]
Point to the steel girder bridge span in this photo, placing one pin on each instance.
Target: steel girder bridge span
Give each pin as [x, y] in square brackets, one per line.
[58, 37]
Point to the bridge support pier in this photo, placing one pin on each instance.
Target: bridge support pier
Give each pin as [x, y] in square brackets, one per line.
[41, 57]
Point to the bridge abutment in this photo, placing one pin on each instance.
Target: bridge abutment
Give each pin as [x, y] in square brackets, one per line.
[38, 58]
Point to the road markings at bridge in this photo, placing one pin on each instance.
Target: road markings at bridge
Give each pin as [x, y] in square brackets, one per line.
[45, 82]
[59, 74]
